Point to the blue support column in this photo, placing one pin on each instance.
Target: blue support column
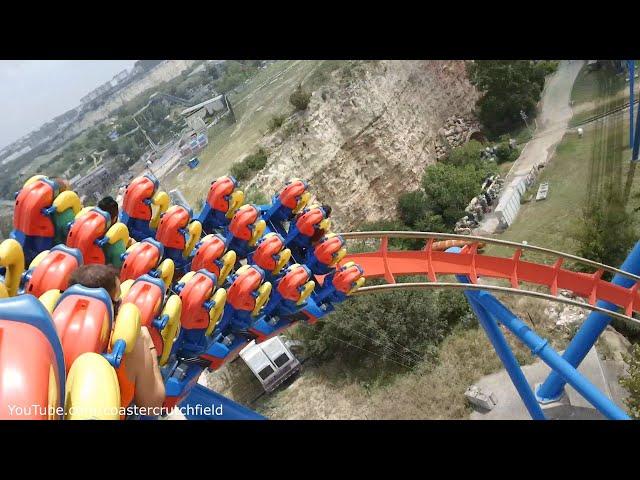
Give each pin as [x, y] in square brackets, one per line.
[205, 404]
[631, 64]
[540, 347]
[503, 350]
[506, 355]
[636, 138]
[589, 332]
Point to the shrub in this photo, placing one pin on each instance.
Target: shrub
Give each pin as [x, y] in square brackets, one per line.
[276, 122]
[400, 328]
[256, 161]
[504, 153]
[547, 67]
[250, 165]
[300, 98]
[255, 196]
[467, 153]
[322, 73]
[240, 170]
[632, 382]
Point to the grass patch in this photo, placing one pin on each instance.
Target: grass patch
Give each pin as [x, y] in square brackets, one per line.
[588, 97]
[276, 122]
[322, 74]
[265, 95]
[522, 135]
[605, 105]
[551, 223]
[434, 390]
[586, 87]
[504, 168]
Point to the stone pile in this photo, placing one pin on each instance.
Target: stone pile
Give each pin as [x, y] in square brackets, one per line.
[456, 132]
[564, 315]
[480, 205]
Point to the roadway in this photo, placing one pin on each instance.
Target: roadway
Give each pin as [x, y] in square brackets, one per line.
[552, 123]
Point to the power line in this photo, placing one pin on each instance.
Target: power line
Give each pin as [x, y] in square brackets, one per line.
[369, 351]
[417, 355]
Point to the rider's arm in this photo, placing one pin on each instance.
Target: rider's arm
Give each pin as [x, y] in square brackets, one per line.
[150, 391]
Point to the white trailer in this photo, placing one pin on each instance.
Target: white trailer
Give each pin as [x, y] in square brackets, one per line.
[270, 361]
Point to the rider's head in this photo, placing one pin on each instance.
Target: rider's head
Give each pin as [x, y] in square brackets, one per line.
[63, 185]
[109, 205]
[98, 276]
[327, 209]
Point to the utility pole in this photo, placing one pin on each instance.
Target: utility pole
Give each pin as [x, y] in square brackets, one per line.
[524, 117]
[631, 65]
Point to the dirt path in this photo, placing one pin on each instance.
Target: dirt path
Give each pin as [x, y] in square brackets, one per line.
[552, 121]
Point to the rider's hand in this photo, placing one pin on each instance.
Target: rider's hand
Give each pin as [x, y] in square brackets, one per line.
[146, 337]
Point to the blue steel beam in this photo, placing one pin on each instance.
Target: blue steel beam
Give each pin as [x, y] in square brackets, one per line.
[505, 354]
[631, 64]
[205, 404]
[636, 138]
[503, 350]
[590, 330]
[540, 347]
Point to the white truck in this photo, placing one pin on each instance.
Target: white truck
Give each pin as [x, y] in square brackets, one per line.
[270, 361]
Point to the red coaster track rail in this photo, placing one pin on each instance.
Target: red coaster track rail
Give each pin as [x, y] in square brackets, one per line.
[389, 264]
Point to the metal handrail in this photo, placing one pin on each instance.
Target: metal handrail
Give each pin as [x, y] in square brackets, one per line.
[494, 288]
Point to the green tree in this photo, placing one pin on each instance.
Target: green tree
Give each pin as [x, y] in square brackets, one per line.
[605, 233]
[509, 86]
[432, 222]
[448, 189]
[112, 148]
[412, 206]
[126, 125]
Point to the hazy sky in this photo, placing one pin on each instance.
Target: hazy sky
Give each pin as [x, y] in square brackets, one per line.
[32, 92]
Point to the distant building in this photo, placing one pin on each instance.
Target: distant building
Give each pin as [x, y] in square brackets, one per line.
[97, 92]
[96, 183]
[119, 77]
[17, 154]
[89, 97]
[197, 115]
[137, 70]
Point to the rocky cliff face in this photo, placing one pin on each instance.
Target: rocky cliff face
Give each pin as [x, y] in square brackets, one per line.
[364, 140]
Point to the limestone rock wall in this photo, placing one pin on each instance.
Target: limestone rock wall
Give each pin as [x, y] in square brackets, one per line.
[362, 144]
